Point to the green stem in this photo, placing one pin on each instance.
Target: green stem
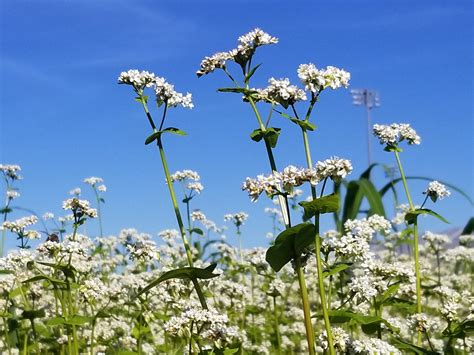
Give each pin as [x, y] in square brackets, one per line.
[317, 251]
[271, 158]
[174, 201]
[306, 311]
[99, 214]
[277, 325]
[416, 243]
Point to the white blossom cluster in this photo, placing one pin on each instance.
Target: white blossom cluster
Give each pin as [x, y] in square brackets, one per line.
[18, 226]
[237, 218]
[247, 45]
[79, 207]
[93, 180]
[164, 91]
[341, 339]
[395, 133]
[281, 92]
[185, 175]
[75, 192]
[436, 242]
[12, 194]
[334, 168]
[138, 79]
[166, 94]
[93, 289]
[198, 215]
[11, 171]
[370, 346]
[420, 322]
[143, 251]
[316, 80]
[436, 190]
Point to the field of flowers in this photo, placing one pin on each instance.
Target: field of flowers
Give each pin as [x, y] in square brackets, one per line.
[372, 285]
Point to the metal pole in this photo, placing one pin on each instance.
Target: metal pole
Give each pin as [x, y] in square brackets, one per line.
[369, 136]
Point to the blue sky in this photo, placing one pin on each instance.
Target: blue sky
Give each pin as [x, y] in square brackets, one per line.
[64, 118]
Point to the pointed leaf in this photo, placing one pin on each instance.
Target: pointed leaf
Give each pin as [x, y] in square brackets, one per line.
[469, 228]
[336, 269]
[289, 244]
[410, 217]
[325, 204]
[182, 273]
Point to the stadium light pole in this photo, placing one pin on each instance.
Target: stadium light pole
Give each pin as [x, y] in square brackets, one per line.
[369, 99]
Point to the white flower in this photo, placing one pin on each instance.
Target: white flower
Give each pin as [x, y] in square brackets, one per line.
[195, 186]
[144, 251]
[437, 191]
[370, 346]
[19, 225]
[282, 92]
[216, 61]
[395, 133]
[102, 188]
[93, 180]
[75, 192]
[12, 194]
[11, 171]
[256, 38]
[419, 322]
[79, 207]
[185, 175]
[237, 218]
[165, 94]
[48, 215]
[197, 215]
[334, 168]
[169, 234]
[316, 80]
[436, 242]
[138, 79]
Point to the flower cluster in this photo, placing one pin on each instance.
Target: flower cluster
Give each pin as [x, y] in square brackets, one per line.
[185, 175]
[334, 168]
[436, 191]
[11, 171]
[79, 208]
[247, 44]
[165, 93]
[237, 218]
[281, 92]
[292, 176]
[435, 242]
[138, 79]
[395, 133]
[18, 226]
[316, 80]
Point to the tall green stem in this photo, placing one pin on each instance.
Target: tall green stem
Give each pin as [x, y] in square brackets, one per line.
[174, 200]
[319, 266]
[99, 213]
[416, 243]
[306, 311]
[277, 325]
[268, 147]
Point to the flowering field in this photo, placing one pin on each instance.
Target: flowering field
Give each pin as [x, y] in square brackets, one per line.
[374, 284]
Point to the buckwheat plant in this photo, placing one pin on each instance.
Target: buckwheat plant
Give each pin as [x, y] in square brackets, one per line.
[10, 175]
[165, 97]
[391, 136]
[99, 188]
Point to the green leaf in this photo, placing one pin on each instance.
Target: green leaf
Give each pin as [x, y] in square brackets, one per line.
[158, 134]
[305, 125]
[271, 134]
[78, 320]
[68, 270]
[197, 231]
[290, 244]
[352, 201]
[46, 278]
[411, 217]
[373, 197]
[460, 330]
[55, 321]
[244, 91]
[413, 349]
[336, 269]
[143, 97]
[469, 228]
[32, 314]
[389, 185]
[325, 204]
[182, 273]
[6, 272]
[369, 324]
[251, 73]
[389, 292]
